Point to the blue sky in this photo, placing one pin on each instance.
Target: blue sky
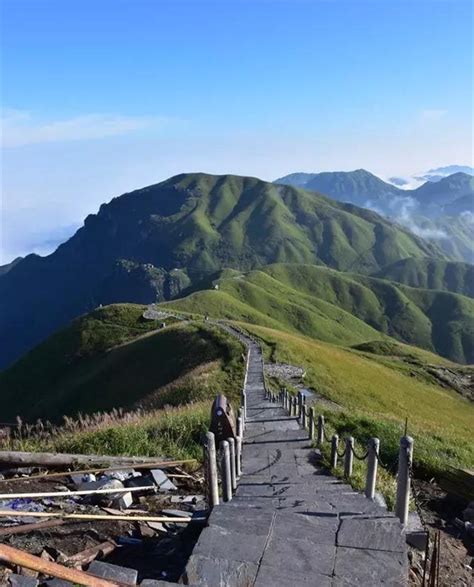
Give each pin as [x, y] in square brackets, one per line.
[102, 97]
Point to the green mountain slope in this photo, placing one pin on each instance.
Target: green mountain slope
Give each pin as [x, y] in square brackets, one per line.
[112, 358]
[432, 274]
[153, 243]
[343, 309]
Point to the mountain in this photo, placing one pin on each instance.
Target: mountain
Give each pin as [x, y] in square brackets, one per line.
[153, 243]
[440, 212]
[446, 191]
[432, 274]
[342, 308]
[440, 172]
[113, 358]
[358, 187]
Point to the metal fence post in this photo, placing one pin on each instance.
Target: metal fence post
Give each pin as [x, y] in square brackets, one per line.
[311, 423]
[320, 430]
[372, 464]
[334, 446]
[226, 472]
[405, 457]
[348, 457]
[211, 470]
[304, 417]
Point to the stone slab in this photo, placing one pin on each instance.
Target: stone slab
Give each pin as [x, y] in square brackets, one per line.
[113, 572]
[223, 543]
[273, 577]
[22, 581]
[370, 568]
[215, 572]
[374, 534]
[299, 555]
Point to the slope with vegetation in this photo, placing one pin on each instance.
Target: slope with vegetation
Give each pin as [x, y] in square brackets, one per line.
[113, 358]
[153, 243]
[341, 308]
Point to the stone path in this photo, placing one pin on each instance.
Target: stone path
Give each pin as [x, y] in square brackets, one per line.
[290, 523]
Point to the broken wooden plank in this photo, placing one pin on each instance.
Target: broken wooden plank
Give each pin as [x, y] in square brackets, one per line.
[36, 563]
[35, 527]
[89, 554]
[152, 465]
[91, 517]
[79, 492]
[38, 459]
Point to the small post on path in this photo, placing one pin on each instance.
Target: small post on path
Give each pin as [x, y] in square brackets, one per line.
[311, 423]
[372, 463]
[211, 470]
[242, 421]
[238, 456]
[233, 468]
[320, 430]
[285, 397]
[334, 446]
[300, 406]
[405, 457]
[244, 404]
[304, 417]
[226, 472]
[349, 457]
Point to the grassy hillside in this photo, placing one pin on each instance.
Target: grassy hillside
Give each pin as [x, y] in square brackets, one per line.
[377, 394]
[153, 243]
[113, 358]
[342, 308]
[432, 274]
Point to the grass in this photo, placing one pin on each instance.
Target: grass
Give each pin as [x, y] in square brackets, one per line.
[376, 397]
[171, 432]
[341, 308]
[89, 368]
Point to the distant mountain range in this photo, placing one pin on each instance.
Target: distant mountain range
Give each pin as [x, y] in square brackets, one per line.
[441, 211]
[431, 175]
[155, 243]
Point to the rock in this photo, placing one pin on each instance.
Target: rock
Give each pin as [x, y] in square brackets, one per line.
[124, 501]
[104, 483]
[22, 581]
[176, 513]
[162, 480]
[468, 513]
[81, 478]
[157, 526]
[141, 481]
[187, 498]
[113, 572]
[122, 475]
[416, 535]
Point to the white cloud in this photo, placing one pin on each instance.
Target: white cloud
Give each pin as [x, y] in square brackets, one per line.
[432, 114]
[21, 128]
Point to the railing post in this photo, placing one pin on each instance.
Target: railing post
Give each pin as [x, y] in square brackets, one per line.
[238, 456]
[334, 446]
[226, 472]
[295, 406]
[372, 464]
[405, 457]
[244, 404]
[300, 406]
[211, 470]
[239, 427]
[348, 457]
[241, 418]
[311, 423]
[320, 430]
[305, 416]
[233, 468]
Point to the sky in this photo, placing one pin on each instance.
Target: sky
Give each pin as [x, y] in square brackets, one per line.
[102, 97]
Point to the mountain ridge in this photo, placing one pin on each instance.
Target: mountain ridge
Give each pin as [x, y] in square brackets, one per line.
[152, 243]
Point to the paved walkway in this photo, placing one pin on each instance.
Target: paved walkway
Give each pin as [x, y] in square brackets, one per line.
[290, 523]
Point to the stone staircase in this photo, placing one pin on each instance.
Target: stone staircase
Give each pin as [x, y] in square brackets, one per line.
[290, 522]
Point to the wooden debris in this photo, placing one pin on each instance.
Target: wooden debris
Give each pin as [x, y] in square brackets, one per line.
[89, 554]
[35, 563]
[25, 528]
[45, 460]
[92, 517]
[39, 495]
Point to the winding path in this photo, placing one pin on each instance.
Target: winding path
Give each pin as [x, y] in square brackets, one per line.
[290, 523]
